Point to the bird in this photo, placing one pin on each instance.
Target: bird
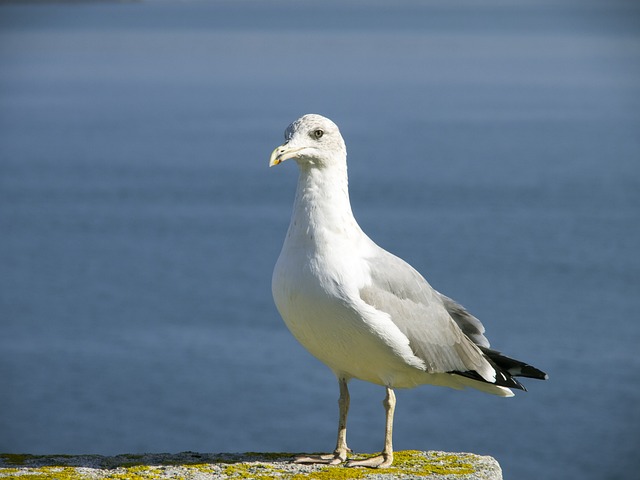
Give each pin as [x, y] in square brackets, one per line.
[364, 312]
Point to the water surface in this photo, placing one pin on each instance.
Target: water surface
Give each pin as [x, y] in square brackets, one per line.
[494, 146]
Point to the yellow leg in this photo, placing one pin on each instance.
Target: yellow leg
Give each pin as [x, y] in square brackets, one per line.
[340, 453]
[385, 459]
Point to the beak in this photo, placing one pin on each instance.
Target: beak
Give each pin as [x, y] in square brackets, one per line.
[282, 153]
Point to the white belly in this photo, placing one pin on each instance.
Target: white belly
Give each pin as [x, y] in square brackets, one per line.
[327, 324]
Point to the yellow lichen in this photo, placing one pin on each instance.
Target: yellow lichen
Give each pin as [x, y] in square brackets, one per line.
[334, 473]
[255, 471]
[201, 467]
[137, 472]
[8, 472]
[41, 473]
[260, 467]
[416, 462]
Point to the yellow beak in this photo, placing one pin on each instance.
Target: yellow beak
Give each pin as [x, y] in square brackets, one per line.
[275, 156]
[282, 153]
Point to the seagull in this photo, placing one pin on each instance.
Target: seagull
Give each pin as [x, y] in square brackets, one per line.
[361, 310]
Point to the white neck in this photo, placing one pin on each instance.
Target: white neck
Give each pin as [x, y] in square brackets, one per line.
[322, 211]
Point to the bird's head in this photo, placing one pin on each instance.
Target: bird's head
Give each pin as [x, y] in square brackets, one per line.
[312, 140]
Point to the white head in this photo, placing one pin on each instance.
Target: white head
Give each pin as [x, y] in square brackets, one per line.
[312, 140]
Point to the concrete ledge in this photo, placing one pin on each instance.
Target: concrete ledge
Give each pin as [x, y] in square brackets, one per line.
[259, 466]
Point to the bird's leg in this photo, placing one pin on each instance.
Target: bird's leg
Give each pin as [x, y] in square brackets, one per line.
[343, 405]
[385, 459]
[339, 455]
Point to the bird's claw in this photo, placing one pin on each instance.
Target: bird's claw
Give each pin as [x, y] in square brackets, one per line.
[335, 458]
[383, 460]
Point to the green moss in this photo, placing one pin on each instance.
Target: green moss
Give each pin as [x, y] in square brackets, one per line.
[132, 467]
[15, 458]
[24, 459]
[420, 464]
[408, 462]
[335, 473]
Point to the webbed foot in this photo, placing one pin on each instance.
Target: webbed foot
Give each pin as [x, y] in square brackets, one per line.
[383, 460]
[335, 458]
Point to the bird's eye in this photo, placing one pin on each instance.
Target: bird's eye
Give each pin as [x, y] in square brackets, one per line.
[318, 133]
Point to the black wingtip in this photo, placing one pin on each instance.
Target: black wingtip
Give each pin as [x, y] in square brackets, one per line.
[532, 372]
[506, 369]
[513, 367]
[503, 379]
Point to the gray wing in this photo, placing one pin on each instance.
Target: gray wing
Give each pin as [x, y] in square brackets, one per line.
[422, 315]
[470, 325]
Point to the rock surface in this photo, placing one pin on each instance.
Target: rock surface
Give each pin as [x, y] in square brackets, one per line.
[260, 466]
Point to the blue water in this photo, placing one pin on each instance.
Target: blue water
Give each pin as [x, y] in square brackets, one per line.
[494, 145]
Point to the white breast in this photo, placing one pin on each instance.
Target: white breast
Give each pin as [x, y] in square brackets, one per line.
[317, 296]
